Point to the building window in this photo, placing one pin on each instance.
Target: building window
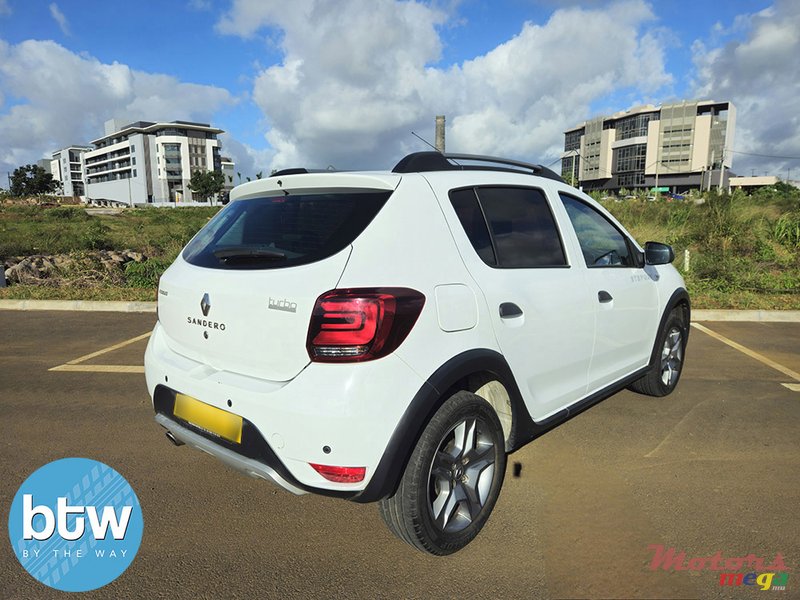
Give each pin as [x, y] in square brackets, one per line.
[634, 126]
[631, 158]
[572, 140]
[630, 180]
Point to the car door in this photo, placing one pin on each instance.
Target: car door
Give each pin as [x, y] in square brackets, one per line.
[540, 311]
[625, 295]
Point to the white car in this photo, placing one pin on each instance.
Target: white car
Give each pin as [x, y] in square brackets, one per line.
[392, 336]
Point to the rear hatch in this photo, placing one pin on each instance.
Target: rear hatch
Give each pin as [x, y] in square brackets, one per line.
[240, 296]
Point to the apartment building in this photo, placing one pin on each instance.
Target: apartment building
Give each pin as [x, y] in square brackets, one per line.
[68, 167]
[229, 170]
[675, 147]
[145, 162]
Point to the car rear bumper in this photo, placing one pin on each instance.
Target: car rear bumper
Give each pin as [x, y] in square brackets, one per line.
[330, 414]
[248, 466]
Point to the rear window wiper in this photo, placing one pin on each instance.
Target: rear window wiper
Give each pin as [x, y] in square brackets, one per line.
[245, 253]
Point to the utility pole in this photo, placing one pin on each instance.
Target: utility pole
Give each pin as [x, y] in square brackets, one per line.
[439, 141]
[711, 172]
[575, 170]
[658, 157]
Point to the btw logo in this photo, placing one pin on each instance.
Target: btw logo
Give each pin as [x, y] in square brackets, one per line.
[75, 524]
[60, 520]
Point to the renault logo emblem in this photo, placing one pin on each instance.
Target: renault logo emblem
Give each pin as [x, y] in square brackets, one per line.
[205, 305]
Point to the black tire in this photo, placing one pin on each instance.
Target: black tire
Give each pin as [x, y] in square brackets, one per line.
[452, 480]
[665, 373]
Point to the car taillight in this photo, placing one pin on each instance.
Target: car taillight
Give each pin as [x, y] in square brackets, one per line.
[361, 324]
[340, 474]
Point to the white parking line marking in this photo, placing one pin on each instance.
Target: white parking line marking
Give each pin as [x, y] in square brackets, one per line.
[795, 387]
[75, 366]
[100, 368]
[759, 357]
[109, 349]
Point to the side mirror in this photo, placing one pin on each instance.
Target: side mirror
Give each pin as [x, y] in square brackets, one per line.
[656, 253]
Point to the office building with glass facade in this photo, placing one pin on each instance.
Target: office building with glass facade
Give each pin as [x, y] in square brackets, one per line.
[675, 147]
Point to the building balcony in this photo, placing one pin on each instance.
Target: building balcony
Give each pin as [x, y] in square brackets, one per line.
[103, 158]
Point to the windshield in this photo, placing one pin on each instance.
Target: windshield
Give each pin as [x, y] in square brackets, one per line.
[282, 231]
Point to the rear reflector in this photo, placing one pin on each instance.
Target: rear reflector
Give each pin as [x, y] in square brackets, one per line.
[340, 474]
[361, 324]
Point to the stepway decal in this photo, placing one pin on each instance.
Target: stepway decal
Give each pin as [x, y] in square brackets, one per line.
[750, 570]
[75, 524]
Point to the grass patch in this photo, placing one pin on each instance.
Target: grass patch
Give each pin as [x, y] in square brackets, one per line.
[156, 232]
[77, 292]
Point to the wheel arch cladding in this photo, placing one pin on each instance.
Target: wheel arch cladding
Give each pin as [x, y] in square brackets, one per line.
[680, 300]
[466, 370]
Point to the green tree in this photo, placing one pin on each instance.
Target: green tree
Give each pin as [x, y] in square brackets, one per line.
[31, 180]
[205, 184]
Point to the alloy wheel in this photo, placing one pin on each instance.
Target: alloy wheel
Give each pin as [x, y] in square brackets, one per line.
[461, 475]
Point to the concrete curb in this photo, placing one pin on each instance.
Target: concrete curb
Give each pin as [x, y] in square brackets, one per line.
[79, 305]
[758, 316]
[762, 316]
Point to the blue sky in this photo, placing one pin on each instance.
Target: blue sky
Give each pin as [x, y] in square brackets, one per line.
[344, 82]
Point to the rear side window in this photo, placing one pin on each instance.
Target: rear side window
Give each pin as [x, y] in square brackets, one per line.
[465, 203]
[283, 231]
[517, 224]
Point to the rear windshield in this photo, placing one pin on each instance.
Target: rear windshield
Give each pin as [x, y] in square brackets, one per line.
[283, 231]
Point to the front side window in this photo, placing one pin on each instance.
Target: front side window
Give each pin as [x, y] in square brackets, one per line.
[601, 243]
[510, 227]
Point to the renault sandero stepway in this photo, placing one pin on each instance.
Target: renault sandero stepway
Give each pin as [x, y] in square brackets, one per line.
[391, 336]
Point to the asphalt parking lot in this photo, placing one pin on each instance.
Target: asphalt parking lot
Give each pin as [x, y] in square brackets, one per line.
[713, 468]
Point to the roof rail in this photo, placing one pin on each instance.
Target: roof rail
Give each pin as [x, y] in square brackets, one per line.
[420, 162]
[299, 171]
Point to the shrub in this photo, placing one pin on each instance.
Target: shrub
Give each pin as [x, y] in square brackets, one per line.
[145, 274]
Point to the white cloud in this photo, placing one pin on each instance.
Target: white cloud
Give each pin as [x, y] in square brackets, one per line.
[200, 5]
[59, 18]
[759, 73]
[5, 9]
[71, 96]
[357, 76]
[248, 160]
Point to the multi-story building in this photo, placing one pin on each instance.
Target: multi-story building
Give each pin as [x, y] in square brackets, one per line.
[229, 170]
[676, 147]
[68, 167]
[150, 162]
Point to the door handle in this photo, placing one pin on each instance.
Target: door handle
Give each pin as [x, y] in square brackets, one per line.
[603, 296]
[509, 310]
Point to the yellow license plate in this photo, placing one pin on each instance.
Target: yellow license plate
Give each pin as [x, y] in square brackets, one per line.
[215, 420]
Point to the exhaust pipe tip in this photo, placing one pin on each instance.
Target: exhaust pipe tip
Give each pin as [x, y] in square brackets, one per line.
[171, 437]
